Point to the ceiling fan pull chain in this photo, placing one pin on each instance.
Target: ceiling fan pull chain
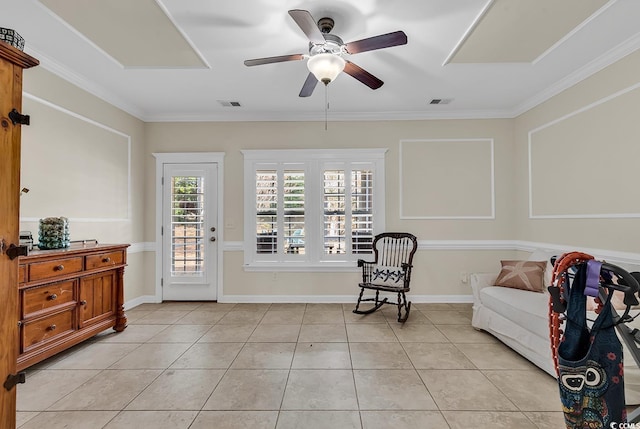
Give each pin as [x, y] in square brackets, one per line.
[326, 105]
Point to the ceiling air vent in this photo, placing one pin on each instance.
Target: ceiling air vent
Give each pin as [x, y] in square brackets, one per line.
[229, 103]
[441, 100]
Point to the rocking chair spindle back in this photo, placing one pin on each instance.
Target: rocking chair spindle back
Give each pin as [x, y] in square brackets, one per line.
[389, 272]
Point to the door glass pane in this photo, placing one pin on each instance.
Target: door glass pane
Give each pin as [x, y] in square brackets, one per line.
[187, 226]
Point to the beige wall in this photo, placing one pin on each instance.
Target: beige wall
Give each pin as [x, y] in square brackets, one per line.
[431, 278]
[585, 119]
[75, 161]
[584, 157]
[232, 137]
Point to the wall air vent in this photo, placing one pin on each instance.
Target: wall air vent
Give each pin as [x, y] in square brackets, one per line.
[226, 103]
[441, 100]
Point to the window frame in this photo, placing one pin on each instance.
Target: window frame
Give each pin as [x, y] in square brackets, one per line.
[313, 162]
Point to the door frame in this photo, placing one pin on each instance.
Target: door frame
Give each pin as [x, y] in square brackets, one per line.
[189, 158]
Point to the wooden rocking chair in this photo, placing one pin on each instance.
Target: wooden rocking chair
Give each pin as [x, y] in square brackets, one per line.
[389, 272]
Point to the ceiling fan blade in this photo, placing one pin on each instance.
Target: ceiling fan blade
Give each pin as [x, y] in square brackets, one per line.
[269, 60]
[308, 25]
[362, 75]
[309, 85]
[377, 42]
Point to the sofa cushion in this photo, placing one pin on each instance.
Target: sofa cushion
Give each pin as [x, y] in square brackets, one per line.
[520, 307]
[526, 275]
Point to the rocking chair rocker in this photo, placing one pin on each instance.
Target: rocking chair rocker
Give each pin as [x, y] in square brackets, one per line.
[389, 272]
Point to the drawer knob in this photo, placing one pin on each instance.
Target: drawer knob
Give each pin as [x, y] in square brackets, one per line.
[83, 302]
[51, 328]
[59, 267]
[107, 259]
[53, 296]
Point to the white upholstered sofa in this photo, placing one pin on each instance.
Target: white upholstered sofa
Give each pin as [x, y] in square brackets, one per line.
[516, 317]
[519, 319]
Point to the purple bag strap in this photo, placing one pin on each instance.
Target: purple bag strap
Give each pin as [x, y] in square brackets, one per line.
[592, 286]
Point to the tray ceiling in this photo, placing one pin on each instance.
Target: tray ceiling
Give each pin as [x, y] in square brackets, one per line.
[176, 60]
[135, 33]
[516, 31]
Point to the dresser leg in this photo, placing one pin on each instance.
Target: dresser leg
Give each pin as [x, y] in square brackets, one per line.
[121, 321]
[121, 318]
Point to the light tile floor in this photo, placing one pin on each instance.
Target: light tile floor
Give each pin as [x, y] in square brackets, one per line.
[207, 365]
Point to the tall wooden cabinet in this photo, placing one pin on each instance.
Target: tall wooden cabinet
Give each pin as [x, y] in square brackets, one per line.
[12, 63]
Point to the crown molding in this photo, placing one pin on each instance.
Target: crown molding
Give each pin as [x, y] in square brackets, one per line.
[85, 84]
[333, 116]
[622, 50]
[629, 46]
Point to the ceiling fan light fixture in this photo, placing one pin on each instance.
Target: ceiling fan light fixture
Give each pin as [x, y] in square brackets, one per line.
[326, 66]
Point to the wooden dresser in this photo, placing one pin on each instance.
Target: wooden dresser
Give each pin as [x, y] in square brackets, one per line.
[69, 295]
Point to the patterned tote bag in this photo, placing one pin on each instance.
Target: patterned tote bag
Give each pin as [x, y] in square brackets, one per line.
[590, 365]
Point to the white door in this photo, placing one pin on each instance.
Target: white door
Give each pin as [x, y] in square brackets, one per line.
[189, 232]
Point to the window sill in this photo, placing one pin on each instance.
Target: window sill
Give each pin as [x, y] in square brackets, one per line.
[347, 266]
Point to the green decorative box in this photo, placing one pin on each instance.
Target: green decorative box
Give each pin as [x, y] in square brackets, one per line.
[53, 233]
[12, 37]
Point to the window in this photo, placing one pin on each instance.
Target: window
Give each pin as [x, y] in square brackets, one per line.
[307, 209]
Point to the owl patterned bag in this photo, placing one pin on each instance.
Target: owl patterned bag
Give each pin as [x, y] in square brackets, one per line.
[590, 365]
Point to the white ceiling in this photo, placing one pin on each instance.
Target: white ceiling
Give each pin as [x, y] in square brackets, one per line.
[175, 60]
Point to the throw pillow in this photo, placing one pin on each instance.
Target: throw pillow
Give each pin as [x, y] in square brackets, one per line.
[525, 275]
[545, 255]
[387, 276]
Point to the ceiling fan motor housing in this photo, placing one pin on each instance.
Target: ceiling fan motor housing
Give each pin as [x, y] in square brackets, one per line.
[325, 24]
[333, 45]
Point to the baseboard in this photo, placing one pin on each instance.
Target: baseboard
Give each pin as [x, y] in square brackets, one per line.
[338, 299]
[449, 299]
[313, 299]
[323, 299]
[144, 299]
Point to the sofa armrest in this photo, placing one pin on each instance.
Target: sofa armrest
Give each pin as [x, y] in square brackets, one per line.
[479, 281]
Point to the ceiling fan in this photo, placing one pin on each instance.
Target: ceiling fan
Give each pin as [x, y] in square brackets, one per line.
[326, 52]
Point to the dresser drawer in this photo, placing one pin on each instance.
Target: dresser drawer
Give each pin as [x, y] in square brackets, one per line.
[22, 274]
[46, 329]
[52, 269]
[44, 297]
[104, 260]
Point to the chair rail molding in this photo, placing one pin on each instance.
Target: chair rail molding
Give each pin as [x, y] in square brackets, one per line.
[516, 245]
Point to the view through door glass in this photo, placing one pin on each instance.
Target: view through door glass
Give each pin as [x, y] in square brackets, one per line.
[187, 226]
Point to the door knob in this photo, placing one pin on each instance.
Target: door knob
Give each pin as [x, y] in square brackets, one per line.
[213, 229]
[212, 239]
